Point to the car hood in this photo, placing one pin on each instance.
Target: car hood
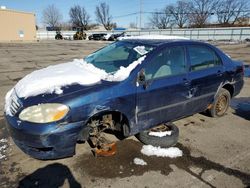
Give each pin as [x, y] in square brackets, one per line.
[54, 78]
[69, 92]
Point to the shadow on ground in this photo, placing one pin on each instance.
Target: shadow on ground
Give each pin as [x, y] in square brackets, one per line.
[121, 165]
[242, 107]
[53, 175]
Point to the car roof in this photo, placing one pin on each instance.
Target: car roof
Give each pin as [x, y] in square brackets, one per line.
[160, 42]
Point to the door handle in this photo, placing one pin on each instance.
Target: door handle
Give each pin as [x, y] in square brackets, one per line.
[219, 73]
[186, 82]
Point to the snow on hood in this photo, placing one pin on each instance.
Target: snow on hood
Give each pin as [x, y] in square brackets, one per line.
[53, 78]
[154, 37]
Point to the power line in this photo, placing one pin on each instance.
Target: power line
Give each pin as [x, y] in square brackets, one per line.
[126, 15]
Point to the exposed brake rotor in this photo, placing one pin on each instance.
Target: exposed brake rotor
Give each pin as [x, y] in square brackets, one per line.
[100, 144]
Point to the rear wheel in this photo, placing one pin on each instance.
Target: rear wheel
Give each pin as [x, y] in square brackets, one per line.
[164, 135]
[221, 103]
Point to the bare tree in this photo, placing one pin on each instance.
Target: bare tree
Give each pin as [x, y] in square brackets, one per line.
[229, 11]
[179, 12]
[51, 16]
[79, 17]
[200, 11]
[161, 20]
[103, 16]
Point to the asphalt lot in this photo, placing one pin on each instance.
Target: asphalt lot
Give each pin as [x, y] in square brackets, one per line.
[216, 151]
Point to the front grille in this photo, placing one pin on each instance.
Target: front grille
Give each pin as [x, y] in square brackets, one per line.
[15, 104]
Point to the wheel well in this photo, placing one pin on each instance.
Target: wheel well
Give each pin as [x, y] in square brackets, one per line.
[121, 122]
[230, 88]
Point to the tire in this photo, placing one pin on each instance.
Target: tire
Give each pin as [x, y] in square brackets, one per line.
[165, 141]
[220, 104]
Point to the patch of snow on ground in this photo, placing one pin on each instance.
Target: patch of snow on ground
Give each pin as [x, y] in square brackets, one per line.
[138, 161]
[3, 148]
[171, 152]
[160, 134]
[2, 156]
[3, 140]
[154, 37]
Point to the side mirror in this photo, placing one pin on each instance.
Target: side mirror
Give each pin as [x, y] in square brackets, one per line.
[141, 79]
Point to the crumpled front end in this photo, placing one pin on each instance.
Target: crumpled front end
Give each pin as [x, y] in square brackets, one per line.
[46, 141]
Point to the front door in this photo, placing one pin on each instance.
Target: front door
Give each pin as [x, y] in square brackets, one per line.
[163, 95]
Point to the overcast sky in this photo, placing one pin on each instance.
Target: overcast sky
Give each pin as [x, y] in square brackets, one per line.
[117, 8]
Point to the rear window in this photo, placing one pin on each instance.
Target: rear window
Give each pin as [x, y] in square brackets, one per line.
[202, 57]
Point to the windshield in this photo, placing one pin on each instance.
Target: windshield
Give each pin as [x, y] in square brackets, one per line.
[116, 55]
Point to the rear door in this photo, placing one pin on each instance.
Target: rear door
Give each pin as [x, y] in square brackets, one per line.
[206, 76]
[164, 97]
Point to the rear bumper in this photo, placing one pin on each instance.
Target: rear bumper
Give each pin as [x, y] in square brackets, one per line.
[47, 141]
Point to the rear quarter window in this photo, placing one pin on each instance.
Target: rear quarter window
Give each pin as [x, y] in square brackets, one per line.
[202, 57]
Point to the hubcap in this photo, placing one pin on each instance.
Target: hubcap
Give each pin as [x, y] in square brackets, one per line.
[160, 128]
[221, 105]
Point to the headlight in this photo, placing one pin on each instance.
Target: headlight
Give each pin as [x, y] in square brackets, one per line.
[44, 113]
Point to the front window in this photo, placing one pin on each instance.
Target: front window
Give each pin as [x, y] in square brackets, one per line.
[116, 55]
[169, 62]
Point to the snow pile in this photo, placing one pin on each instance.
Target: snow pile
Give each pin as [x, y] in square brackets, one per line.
[154, 37]
[138, 161]
[171, 152]
[160, 134]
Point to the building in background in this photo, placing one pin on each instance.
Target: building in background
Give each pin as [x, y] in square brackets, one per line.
[17, 25]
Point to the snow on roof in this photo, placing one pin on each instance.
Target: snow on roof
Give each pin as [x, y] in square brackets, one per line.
[154, 37]
[171, 152]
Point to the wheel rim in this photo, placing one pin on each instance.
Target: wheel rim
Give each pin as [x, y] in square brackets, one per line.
[221, 105]
[160, 128]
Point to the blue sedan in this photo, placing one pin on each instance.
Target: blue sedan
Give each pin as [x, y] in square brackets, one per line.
[130, 86]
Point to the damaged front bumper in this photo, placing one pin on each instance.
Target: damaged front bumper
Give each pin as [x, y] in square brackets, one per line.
[45, 141]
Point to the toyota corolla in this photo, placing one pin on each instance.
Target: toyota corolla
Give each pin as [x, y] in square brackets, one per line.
[130, 86]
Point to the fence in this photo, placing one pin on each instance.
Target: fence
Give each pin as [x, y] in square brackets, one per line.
[235, 33]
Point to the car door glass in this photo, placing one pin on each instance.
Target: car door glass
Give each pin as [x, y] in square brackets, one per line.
[170, 61]
[202, 58]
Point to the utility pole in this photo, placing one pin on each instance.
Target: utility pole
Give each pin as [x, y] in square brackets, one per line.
[140, 14]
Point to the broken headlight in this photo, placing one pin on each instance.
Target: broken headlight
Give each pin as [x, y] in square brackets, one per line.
[44, 113]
